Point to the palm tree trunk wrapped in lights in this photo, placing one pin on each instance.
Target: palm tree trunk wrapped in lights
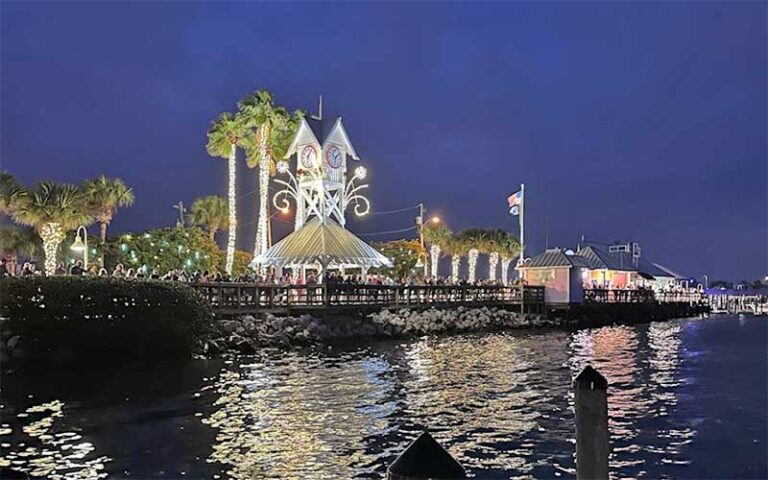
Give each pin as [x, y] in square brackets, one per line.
[472, 263]
[505, 261]
[493, 261]
[455, 265]
[261, 245]
[232, 208]
[52, 235]
[434, 254]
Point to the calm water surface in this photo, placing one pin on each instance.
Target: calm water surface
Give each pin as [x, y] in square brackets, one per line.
[687, 399]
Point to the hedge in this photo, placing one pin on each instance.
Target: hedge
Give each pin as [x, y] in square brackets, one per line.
[88, 316]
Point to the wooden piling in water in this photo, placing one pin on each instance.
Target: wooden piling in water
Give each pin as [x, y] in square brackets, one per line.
[425, 459]
[592, 443]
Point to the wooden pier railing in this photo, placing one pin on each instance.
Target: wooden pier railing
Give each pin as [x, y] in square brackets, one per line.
[248, 297]
[605, 295]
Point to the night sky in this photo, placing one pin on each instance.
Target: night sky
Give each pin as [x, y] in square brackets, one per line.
[625, 121]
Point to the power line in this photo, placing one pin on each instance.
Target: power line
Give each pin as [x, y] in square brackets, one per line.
[395, 211]
[389, 231]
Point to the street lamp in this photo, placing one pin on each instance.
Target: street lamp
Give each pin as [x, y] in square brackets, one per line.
[81, 245]
[435, 219]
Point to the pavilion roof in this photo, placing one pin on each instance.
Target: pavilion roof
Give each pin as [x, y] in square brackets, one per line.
[328, 244]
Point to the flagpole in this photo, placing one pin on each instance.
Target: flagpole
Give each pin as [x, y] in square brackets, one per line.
[522, 246]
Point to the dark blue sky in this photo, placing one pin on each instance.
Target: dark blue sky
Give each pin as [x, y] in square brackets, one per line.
[625, 121]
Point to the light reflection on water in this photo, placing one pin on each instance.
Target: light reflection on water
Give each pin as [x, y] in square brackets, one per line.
[501, 404]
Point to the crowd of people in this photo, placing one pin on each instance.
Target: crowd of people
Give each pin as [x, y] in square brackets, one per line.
[334, 277]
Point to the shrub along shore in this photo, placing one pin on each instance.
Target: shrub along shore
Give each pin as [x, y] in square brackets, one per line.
[76, 318]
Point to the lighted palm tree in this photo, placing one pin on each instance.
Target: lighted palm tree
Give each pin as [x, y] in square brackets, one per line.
[456, 247]
[270, 129]
[210, 212]
[10, 193]
[476, 240]
[224, 136]
[493, 245]
[53, 209]
[436, 235]
[104, 196]
[509, 249]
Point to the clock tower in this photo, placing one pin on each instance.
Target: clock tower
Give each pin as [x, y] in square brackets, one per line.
[321, 170]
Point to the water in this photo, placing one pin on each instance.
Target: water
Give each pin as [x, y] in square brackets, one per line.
[687, 399]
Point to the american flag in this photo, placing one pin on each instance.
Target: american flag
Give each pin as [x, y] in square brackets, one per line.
[515, 202]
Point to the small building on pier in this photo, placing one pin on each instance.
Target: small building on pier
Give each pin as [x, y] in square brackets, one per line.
[566, 273]
[560, 272]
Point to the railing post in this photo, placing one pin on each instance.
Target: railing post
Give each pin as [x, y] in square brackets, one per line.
[425, 459]
[591, 406]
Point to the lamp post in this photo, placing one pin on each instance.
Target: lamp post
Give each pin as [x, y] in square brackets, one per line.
[420, 225]
[81, 245]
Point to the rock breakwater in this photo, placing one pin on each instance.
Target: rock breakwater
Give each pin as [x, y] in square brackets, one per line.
[248, 333]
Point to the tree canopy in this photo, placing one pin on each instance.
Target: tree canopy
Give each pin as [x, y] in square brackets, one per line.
[165, 249]
[210, 212]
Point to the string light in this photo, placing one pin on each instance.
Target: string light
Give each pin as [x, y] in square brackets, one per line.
[434, 253]
[472, 258]
[232, 205]
[52, 235]
[493, 261]
[505, 261]
[455, 265]
[260, 246]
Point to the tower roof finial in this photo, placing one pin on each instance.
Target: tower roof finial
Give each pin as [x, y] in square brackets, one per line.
[319, 116]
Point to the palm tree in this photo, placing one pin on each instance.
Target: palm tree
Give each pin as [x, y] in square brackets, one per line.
[509, 249]
[10, 193]
[456, 247]
[476, 240]
[16, 241]
[104, 196]
[436, 234]
[493, 245]
[53, 209]
[269, 132]
[224, 136]
[210, 212]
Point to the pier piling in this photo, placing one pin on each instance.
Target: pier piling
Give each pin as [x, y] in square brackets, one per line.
[425, 459]
[591, 405]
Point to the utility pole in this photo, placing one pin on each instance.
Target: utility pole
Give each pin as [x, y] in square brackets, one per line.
[180, 207]
[420, 225]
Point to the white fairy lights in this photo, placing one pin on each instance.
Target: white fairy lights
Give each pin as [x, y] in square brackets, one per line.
[232, 200]
[472, 259]
[455, 265]
[52, 235]
[434, 254]
[505, 261]
[493, 261]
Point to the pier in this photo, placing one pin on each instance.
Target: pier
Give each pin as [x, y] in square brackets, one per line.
[248, 298]
[229, 299]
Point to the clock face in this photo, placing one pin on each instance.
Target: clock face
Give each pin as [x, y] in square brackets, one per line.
[333, 156]
[308, 156]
